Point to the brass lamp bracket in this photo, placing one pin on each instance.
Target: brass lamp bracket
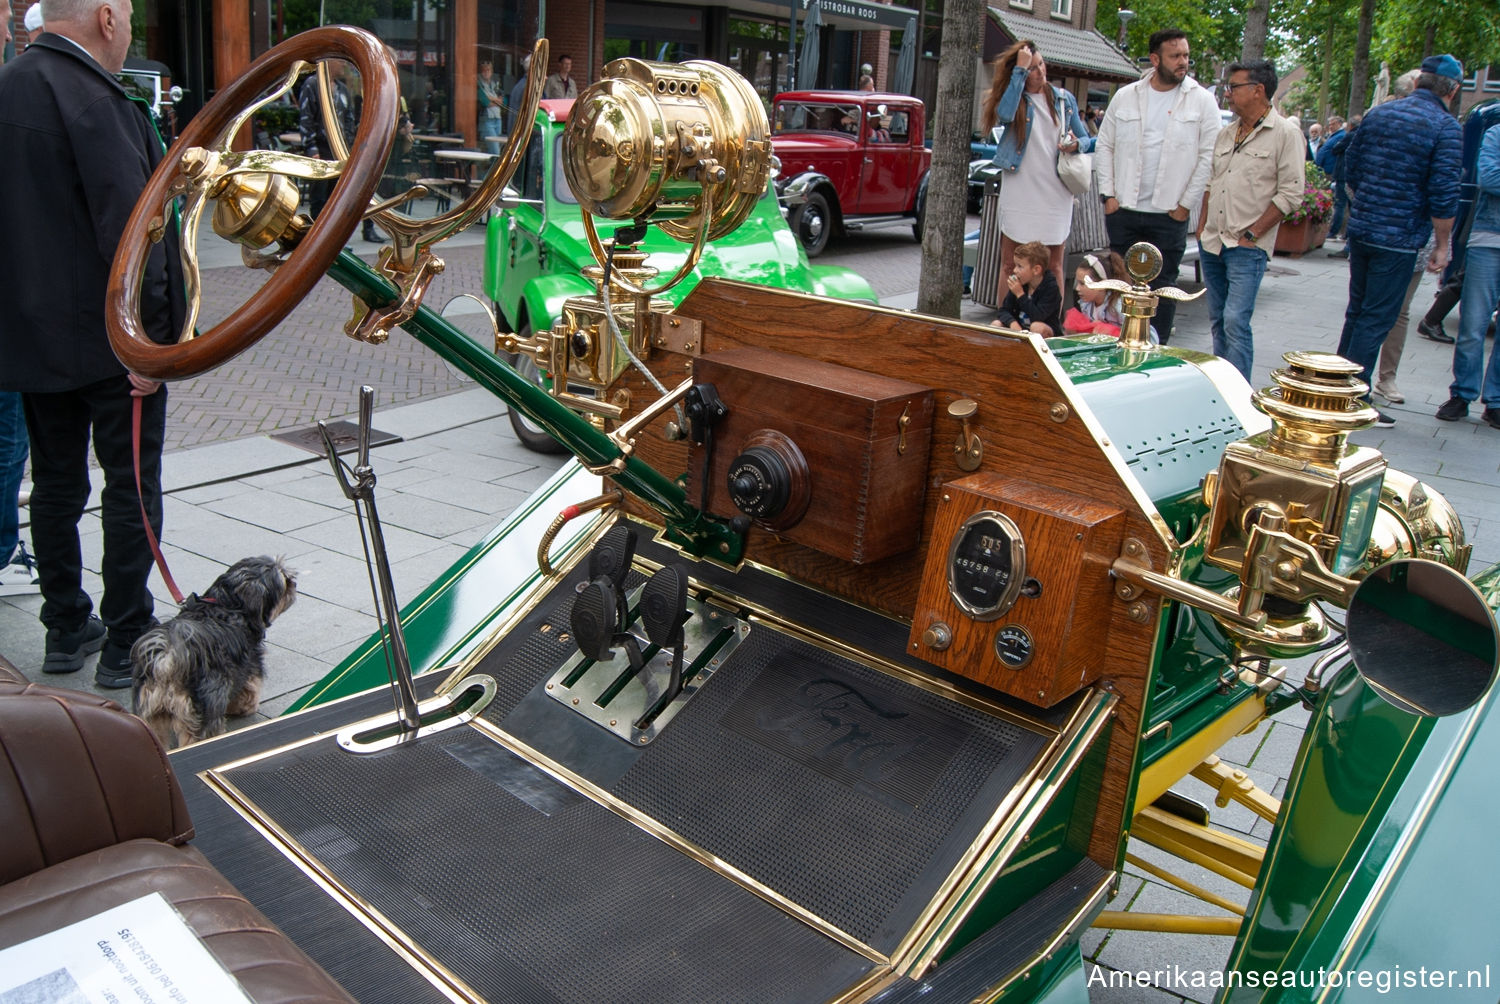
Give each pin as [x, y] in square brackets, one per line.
[374, 324]
[552, 351]
[682, 335]
[1134, 575]
[1279, 564]
[624, 436]
[968, 449]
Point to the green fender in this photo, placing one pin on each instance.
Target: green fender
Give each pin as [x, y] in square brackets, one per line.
[843, 284]
[543, 297]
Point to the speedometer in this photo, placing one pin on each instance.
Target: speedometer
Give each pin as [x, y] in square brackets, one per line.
[986, 565]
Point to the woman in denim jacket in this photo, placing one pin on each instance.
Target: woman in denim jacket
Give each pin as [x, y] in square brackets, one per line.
[1034, 204]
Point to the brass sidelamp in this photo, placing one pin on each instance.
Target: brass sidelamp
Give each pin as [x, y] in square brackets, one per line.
[1291, 510]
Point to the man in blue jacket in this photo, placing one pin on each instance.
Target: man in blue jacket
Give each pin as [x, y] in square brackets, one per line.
[1330, 161]
[1402, 169]
[1481, 291]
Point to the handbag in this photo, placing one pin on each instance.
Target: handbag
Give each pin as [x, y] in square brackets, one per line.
[1075, 170]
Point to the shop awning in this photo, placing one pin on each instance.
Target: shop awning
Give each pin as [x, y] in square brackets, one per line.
[1080, 52]
[861, 15]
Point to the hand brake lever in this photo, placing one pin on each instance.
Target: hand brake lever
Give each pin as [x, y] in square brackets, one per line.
[358, 485]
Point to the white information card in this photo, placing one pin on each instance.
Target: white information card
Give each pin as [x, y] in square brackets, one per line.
[142, 952]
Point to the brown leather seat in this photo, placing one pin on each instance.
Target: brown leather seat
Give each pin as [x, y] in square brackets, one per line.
[94, 818]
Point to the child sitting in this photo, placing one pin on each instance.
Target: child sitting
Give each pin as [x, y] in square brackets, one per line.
[1033, 301]
[1099, 311]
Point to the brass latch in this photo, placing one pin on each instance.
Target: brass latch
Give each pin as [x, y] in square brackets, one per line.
[968, 450]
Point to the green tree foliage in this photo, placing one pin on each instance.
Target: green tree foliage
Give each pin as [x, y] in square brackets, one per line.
[1215, 28]
[1303, 30]
[1403, 31]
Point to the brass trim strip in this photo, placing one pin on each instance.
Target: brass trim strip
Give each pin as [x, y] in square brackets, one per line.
[976, 874]
[444, 981]
[983, 842]
[1082, 917]
[675, 840]
[868, 986]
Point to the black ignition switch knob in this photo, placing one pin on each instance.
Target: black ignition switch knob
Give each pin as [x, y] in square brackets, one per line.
[769, 481]
[759, 483]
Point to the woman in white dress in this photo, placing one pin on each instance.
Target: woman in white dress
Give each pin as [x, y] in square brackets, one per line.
[1035, 121]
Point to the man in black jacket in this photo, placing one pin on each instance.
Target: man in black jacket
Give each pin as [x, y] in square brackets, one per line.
[78, 152]
[315, 136]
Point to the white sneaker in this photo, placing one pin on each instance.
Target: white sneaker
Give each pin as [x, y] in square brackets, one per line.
[20, 576]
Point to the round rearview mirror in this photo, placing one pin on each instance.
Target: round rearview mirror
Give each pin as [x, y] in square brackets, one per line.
[1423, 638]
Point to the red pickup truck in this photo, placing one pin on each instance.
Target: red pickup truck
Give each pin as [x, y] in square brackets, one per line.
[849, 159]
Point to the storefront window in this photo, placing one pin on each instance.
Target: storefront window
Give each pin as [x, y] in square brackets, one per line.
[653, 31]
[757, 51]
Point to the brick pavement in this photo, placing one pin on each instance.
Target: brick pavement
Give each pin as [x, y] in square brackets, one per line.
[307, 368]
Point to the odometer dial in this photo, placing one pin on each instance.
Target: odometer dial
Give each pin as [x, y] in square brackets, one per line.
[986, 565]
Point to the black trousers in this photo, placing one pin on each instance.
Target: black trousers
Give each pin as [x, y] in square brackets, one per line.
[1126, 227]
[60, 425]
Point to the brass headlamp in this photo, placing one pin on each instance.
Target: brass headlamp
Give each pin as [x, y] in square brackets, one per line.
[681, 146]
[660, 142]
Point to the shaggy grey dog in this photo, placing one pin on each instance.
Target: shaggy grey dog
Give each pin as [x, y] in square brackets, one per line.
[206, 662]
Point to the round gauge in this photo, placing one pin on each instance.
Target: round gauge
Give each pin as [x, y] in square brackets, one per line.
[986, 565]
[1013, 646]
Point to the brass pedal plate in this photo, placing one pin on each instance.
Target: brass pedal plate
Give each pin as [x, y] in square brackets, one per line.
[612, 696]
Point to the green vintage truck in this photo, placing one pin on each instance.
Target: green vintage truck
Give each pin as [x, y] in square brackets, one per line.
[856, 643]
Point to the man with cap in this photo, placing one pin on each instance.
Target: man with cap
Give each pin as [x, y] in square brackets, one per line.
[1402, 170]
[33, 22]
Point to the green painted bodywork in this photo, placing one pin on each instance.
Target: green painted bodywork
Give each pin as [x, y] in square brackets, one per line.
[534, 253]
[1384, 815]
[1171, 424]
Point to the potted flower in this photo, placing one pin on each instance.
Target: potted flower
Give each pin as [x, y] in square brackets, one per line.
[1306, 226]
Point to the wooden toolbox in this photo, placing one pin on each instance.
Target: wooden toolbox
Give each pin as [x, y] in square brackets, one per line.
[827, 456]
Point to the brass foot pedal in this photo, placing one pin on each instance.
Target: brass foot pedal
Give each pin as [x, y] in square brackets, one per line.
[636, 701]
[663, 612]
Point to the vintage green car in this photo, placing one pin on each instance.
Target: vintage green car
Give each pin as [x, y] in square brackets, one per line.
[535, 252]
[852, 679]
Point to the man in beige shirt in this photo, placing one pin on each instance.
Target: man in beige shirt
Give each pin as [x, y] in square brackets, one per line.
[1257, 179]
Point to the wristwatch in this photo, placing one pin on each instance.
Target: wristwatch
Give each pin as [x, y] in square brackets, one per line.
[1249, 235]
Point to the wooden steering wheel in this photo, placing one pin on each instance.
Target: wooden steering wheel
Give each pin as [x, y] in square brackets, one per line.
[201, 167]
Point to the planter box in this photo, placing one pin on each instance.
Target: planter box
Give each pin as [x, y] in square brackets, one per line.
[1296, 239]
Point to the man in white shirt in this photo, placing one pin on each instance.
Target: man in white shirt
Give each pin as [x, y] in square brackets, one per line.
[1153, 155]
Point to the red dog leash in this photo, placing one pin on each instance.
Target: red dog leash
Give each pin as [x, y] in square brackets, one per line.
[135, 445]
